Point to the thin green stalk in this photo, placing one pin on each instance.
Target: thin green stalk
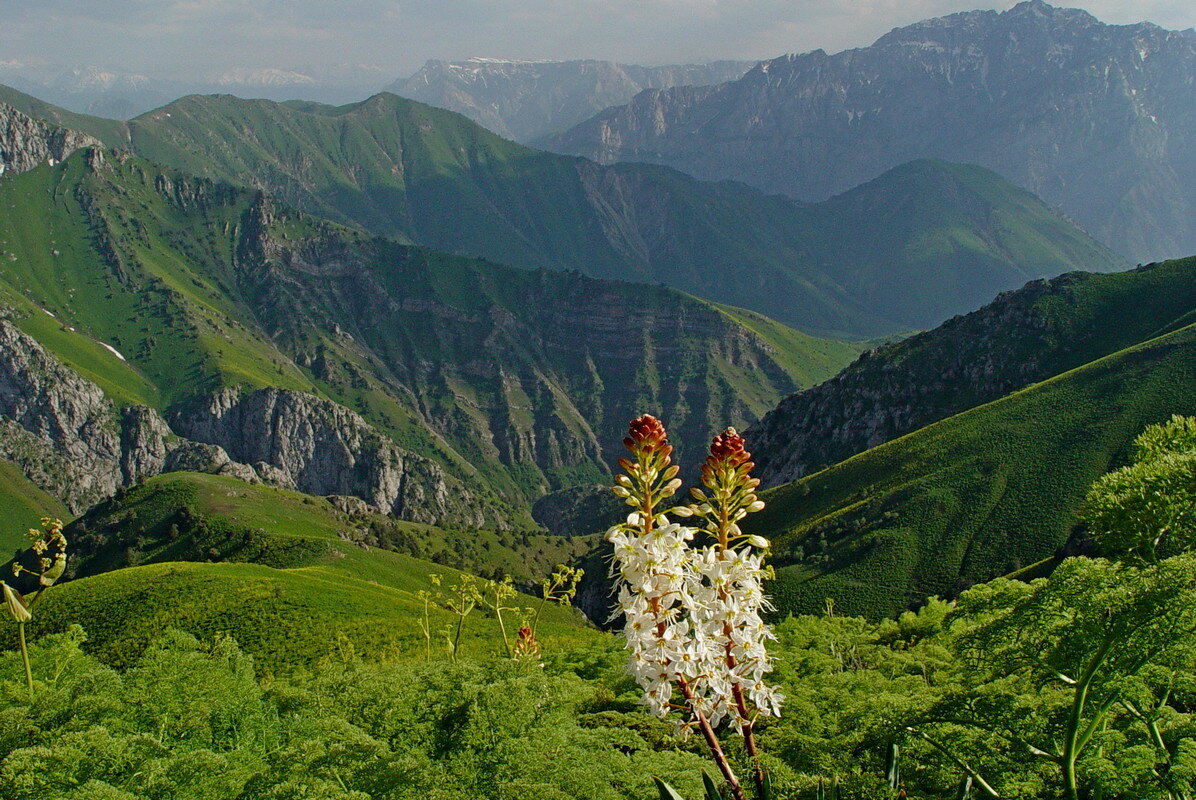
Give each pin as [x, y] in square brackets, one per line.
[427, 629]
[25, 658]
[457, 638]
[502, 627]
[959, 762]
[1076, 740]
[536, 619]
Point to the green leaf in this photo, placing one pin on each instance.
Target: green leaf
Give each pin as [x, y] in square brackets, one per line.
[712, 790]
[666, 792]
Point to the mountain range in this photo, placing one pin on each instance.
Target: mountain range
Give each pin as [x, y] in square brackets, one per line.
[923, 242]
[1094, 118]
[340, 363]
[120, 94]
[417, 329]
[523, 100]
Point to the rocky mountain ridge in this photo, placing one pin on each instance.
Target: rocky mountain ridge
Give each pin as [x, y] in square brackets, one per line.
[324, 357]
[26, 142]
[1092, 117]
[922, 242]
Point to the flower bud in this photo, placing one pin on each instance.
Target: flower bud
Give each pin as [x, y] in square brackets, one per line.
[757, 505]
[621, 491]
[646, 433]
[758, 542]
[16, 606]
[54, 572]
[682, 511]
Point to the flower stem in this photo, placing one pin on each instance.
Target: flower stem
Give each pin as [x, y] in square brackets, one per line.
[748, 732]
[716, 748]
[25, 658]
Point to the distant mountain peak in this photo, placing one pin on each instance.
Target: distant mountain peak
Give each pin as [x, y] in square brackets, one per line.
[1092, 117]
[525, 99]
[267, 76]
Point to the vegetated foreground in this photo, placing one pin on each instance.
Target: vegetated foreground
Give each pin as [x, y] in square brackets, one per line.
[1080, 684]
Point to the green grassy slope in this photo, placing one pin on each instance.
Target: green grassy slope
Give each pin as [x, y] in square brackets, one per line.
[22, 506]
[283, 617]
[902, 252]
[115, 253]
[196, 517]
[293, 574]
[1022, 337]
[200, 285]
[983, 493]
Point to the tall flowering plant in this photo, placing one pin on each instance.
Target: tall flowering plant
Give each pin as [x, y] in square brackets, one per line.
[692, 596]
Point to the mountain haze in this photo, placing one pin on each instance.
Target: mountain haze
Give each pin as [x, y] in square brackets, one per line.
[523, 100]
[1094, 118]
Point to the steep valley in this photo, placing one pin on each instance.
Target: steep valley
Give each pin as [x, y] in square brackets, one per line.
[338, 363]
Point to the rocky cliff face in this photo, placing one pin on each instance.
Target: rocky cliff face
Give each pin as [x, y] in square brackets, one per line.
[523, 100]
[532, 372]
[321, 448]
[1095, 118]
[60, 429]
[26, 142]
[1023, 337]
[71, 441]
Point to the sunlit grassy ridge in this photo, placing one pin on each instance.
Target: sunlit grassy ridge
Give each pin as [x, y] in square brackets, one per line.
[114, 253]
[982, 493]
[294, 574]
[191, 516]
[111, 132]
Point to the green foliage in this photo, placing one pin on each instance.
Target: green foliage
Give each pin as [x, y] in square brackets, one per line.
[1148, 509]
[189, 720]
[1060, 668]
[966, 696]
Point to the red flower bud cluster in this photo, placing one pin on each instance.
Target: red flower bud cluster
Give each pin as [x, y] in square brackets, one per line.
[647, 433]
[728, 448]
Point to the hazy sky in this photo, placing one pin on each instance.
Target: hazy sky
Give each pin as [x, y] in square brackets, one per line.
[199, 37]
